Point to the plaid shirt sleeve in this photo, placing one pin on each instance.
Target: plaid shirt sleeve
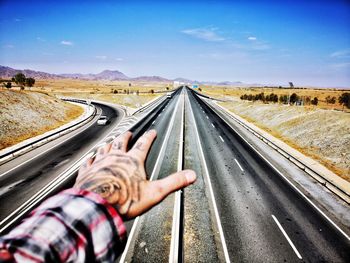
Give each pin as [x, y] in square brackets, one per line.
[74, 225]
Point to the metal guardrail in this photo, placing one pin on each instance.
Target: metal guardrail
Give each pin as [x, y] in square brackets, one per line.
[343, 194]
[75, 125]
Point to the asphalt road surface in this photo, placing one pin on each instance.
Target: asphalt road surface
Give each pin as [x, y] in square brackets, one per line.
[239, 210]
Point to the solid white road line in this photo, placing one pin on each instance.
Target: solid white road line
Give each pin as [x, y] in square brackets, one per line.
[216, 213]
[287, 237]
[153, 122]
[221, 139]
[175, 232]
[288, 181]
[154, 172]
[240, 167]
[213, 125]
[41, 153]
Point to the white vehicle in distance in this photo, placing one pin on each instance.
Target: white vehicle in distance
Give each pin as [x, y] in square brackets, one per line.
[168, 95]
[103, 120]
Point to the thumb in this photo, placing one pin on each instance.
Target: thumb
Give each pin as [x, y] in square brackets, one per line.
[174, 182]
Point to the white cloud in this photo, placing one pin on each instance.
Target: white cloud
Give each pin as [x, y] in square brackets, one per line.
[341, 54]
[101, 57]
[119, 59]
[66, 43]
[17, 20]
[252, 38]
[207, 34]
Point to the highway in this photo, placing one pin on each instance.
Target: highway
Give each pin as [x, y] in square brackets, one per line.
[241, 208]
[26, 174]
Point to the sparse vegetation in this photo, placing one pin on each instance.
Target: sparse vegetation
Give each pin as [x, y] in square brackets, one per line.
[344, 99]
[314, 101]
[303, 127]
[30, 82]
[19, 79]
[8, 85]
[331, 100]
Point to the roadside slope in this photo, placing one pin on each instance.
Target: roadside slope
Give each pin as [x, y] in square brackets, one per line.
[321, 134]
[27, 114]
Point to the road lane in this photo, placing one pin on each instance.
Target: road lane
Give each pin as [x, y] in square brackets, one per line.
[152, 235]
[247, 200]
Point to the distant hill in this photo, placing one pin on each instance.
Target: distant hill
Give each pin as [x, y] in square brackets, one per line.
[151, 79]
[7, 73]
[104, 75]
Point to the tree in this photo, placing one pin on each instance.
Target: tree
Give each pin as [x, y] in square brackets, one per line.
[330, 100]
[30, 82]
[314, 101]
[283, 99]
[344, 99]
[20, 79]
[8, 85]
[293, 98]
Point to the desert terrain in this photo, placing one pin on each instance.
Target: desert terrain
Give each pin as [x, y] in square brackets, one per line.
[25, 114]
[321, 132]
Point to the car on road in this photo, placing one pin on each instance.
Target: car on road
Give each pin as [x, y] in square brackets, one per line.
[103, 120]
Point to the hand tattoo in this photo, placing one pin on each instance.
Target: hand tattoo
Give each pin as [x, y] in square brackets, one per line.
[119, 176]
[118, 182]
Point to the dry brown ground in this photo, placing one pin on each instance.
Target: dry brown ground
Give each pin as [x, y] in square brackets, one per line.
[321, 94]
[97, 87]
[25, 114]
[105, 90]
[321, 132]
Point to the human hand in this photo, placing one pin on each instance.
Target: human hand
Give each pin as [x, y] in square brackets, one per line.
[119, 176]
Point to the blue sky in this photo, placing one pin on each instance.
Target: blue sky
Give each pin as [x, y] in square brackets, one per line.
[251, 41]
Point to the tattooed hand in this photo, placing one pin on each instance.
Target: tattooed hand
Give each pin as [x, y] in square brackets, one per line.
[119, 176]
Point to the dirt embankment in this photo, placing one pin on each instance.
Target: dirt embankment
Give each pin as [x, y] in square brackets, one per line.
[321, 134]
[27, 114]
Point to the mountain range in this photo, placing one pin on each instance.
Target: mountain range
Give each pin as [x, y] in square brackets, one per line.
[8, 73]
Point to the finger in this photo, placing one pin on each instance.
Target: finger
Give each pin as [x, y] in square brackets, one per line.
[141, 148]
[121, 142]
[155, 191]
[89, 159]
[173, 182]
[102, 152]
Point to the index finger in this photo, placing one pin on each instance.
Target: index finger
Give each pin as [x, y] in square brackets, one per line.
[143, 144]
